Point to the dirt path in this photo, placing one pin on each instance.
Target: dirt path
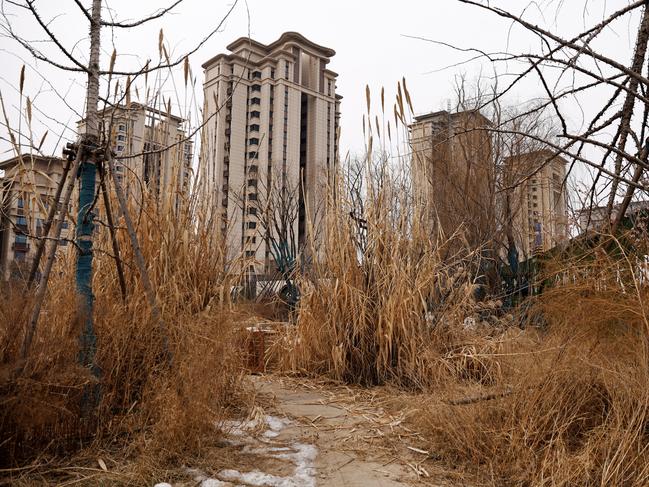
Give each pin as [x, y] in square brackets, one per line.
[352, 439]
[306, 434]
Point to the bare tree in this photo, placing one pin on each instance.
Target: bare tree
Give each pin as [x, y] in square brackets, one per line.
[91, 154]
[613, 141]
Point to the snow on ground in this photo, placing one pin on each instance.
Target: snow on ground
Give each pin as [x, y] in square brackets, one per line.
[301, 455]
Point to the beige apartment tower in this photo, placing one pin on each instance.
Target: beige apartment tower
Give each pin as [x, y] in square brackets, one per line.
[271, 114]
[27, 191]
[539, 208]
[453, 173]
[153, 153]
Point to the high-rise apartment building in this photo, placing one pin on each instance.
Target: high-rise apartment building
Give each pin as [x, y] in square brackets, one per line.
[453, 173]
[539, 206]
[27, 190]
[271, 114]
[152, 151]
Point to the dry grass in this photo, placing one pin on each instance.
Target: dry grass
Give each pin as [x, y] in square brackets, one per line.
[565, 404]
[162, 386]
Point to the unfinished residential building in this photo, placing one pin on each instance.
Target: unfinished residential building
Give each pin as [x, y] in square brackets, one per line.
[453, 174]
[271, 114]
[27, 190]
[539, 206]
[153, 155]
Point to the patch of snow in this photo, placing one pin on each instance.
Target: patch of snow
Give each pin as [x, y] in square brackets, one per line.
[204, 480]
[163, 484]
[213, 483]
[302, 456]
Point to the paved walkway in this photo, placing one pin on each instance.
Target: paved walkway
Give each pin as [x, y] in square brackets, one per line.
[356, 441]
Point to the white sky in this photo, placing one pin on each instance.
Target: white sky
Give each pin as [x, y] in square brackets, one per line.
[368, 37]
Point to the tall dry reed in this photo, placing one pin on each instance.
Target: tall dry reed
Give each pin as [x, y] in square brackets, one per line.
[161, 384]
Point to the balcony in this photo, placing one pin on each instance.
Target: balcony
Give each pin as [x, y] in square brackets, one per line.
[20, 247]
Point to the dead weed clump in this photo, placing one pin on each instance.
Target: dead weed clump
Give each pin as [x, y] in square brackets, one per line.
[384, 301]
[160, 387]
[569, 406]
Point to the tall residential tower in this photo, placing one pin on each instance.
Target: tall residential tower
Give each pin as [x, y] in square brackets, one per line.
[271, 114]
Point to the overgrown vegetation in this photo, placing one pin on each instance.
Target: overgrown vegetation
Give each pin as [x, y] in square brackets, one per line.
[164, 385]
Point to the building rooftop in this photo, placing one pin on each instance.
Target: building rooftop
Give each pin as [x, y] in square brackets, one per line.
[446, 114]
[27, 158]
[135, 106]
[267, 49]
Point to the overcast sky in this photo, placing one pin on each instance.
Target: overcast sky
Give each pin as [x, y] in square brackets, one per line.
[369, 37]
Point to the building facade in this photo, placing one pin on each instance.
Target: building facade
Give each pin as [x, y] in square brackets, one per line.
[453, 173]
[270, 143]
[27, 190]
[539, 206]
[153, 155]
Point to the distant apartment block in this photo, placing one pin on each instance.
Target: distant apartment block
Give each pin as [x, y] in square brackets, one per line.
[27, 190]
[596, 218]
[453, 173]
[539, 201]
[151, 150]
[271, 114]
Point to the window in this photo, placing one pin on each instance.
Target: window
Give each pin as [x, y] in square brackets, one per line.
[19, 255]
[120, 148]
[250, 253]
[63, 242]
[65, 225]
[287, 67]
[256, 75]
[253, 155]
[121, 127]
[255, 114]
[272, 73]
[121, 137]
[252, 183]
[255, 100]
[251, 225]
[534, 197]
[253, 141]
[252, 196]
[252, 211]
[21, 221]
[254, 127]
[21, 203]
[254, 88]
[21, 239]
